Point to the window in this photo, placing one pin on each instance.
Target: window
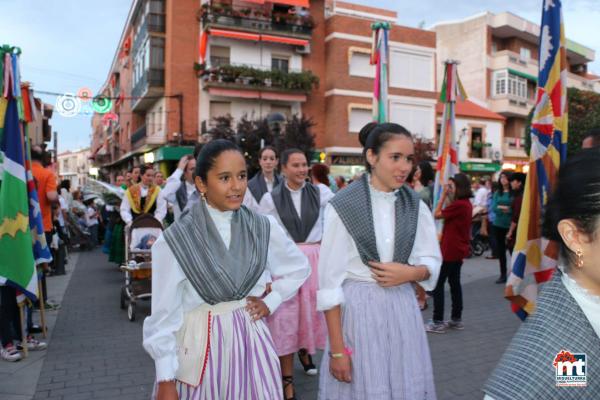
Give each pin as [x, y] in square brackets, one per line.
[504, 83]
[219, 55]
[358, 117]
[280, 64]
[159, 119]
[525, 54]
[360, 65]
[476, 147]
[285, 110]
[219, 109]
[419, 119]
[157, 53]
[411, 70]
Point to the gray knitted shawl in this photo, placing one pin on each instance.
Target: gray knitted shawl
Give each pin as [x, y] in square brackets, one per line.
[219, 274]
[353, 205]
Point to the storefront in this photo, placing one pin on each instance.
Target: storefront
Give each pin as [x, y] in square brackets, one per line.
[480, 169]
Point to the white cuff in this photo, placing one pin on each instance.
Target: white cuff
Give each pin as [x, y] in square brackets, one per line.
[434, 273]
[272, 301]
[166, 368]
[329, 298]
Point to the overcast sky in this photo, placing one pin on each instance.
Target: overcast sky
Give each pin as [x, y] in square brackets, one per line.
[70, 44]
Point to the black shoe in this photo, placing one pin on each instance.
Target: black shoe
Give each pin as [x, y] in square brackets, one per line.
[309, 367]
[35, 329]
[501, 280]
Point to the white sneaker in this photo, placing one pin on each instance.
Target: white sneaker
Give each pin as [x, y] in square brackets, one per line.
[10, 353]
[33, 345]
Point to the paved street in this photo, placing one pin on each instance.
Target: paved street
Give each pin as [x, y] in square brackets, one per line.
[96, 353]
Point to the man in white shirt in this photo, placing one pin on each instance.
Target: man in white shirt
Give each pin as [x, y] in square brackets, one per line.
[480, 200]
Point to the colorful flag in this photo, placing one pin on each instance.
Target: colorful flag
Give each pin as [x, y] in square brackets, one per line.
[379, 58]
[447, 156]
[534, 258]
[20, 217]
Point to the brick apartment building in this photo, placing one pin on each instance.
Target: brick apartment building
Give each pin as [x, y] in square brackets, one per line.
[179, 65]
[498, 56]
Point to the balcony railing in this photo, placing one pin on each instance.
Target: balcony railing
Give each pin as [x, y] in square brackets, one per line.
[257, 19]
[302, 81]
[153, 23]
[514, 147]
[138, 135]
[153, 77]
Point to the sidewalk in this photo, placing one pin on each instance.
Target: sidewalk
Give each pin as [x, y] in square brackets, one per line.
[18, 380]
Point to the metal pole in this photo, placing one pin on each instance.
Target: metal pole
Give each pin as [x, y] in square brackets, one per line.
[180, 100]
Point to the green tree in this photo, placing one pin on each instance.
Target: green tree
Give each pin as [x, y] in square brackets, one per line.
[584, 114]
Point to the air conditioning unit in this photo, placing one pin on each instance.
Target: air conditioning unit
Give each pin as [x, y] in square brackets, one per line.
[303, 49]
[496, 155]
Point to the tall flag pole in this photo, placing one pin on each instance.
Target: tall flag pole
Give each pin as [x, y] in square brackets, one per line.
[447, 156]
[380, 58]
[535, 258]
[21, 237]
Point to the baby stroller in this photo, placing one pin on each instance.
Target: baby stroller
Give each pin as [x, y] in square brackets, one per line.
[79, 235]
[140, 236]
[479, 241]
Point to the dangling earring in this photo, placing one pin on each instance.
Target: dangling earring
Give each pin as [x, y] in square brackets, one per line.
[579, 254]
[203, 196]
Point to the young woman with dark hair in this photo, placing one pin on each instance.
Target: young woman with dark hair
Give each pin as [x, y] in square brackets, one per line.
[456, 237]
[379, 238]
[567, 310]
[265, 180]
[206, 333]
[143, 198]
[501, 205]
[298, 206]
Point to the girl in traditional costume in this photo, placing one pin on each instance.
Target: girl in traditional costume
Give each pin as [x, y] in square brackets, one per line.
[265, 180]
[552, 354]
[206, 333]
[298, 206]
[143, 198]
[379, 238]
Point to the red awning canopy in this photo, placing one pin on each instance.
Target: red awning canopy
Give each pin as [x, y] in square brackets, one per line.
[286, 40]
[299, 3]
[235, 34]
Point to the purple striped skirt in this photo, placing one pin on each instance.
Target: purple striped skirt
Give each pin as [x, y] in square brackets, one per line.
[390, 360]
[242, 362]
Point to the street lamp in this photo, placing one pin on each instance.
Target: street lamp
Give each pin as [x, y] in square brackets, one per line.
[275, 121]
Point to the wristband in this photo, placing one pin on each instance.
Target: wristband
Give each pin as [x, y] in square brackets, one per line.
[347, 352]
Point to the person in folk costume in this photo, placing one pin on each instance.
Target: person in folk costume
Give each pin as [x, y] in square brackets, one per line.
[206, 332]
[265, 180]
[379, 238]
[298, 206]
[567, 309]
[180, 185]
[143, 198]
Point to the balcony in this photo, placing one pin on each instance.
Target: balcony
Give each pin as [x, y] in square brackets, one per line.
[149, 87]
[259, 20]
[138, 136]
[514, 147]
[150, 23]
[245, 77]
[581, 83]
[507, 59]
[511, 106]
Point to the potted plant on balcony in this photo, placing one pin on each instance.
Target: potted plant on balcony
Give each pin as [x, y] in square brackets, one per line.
[200, 68]
[246, 12]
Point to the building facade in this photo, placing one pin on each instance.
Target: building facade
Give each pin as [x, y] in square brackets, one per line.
[498, 55]
[74, 166]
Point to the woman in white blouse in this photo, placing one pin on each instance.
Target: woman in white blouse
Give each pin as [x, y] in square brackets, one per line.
[206, 333]
[379, 238]
[265, 180]
[298, 206]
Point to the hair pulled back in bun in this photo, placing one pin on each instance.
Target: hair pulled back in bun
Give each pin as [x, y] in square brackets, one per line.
[374, 135]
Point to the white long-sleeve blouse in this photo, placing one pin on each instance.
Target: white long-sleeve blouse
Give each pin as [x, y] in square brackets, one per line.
[173, 295]
[267, 207]
[339, 259]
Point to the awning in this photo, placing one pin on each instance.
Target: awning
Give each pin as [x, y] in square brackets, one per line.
[235, 34]
[480, 167]
[255, 94]
[299, 3]
[522, 75]
[286, 40]
[171, 153]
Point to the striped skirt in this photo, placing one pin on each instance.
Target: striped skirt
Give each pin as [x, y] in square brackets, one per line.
[390, 360]
[297, 324]
[242, 363]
